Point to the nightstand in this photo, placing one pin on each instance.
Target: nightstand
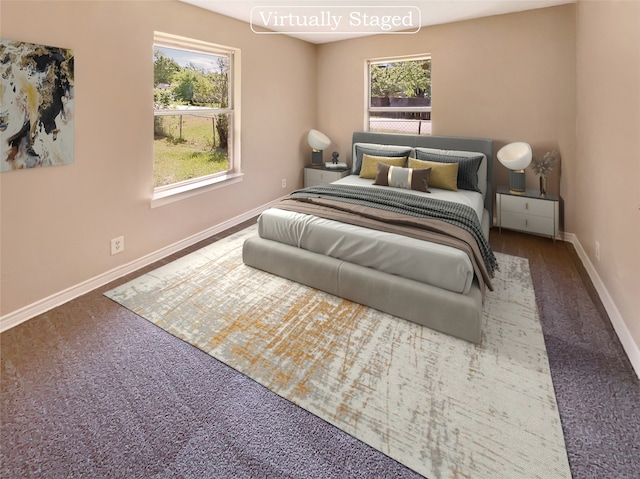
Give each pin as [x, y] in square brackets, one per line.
[528, 211]
[314, 176]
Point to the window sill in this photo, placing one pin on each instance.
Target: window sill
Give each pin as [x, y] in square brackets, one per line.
[187, 191]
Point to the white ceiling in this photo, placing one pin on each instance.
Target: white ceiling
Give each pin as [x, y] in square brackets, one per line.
[432, 12]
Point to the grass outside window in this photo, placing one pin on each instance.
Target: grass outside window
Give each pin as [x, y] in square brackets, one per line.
[186, 146]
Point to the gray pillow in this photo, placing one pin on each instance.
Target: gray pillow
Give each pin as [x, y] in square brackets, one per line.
[467, 167]
[373, 149]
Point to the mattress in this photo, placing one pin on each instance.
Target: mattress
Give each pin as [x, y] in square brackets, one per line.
[438, 265]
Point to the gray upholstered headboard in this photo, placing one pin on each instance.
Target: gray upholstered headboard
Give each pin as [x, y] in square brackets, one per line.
[442, 142]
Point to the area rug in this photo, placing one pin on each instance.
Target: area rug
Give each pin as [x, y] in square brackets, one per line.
[441, 406]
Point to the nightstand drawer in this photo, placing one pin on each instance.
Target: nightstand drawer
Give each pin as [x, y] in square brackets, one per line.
[320, 176]
[527, 206]
[543, 225]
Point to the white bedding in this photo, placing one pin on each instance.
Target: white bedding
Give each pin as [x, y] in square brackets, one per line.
[442, 266]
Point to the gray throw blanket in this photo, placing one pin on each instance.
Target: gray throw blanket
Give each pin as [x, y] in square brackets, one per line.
[397, 201]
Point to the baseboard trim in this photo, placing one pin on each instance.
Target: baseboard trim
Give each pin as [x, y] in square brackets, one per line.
[628, 344]
[21, 315]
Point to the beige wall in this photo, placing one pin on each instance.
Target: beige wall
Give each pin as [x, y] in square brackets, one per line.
[507, 77]
[57, 222]
[607, 191]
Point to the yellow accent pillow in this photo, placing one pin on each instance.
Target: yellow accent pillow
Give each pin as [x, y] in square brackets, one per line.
[370, 164]
[443, 175]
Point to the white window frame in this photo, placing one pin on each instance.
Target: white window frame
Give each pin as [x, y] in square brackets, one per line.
[185, 189]
[368, 109]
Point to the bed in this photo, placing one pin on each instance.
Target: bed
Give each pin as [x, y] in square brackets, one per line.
[377, 238]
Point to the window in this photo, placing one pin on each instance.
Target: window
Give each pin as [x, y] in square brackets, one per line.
[399, 95]
[196, 118]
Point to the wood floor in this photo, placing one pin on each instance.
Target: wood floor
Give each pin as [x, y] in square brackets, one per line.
[91, 390]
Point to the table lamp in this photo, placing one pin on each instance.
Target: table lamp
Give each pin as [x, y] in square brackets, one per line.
[318, 141]
[516, 157]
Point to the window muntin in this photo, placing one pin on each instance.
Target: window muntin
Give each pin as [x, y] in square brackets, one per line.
[196, 118]
[399, 95]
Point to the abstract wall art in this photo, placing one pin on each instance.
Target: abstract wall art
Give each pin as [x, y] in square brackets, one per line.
[36, 106]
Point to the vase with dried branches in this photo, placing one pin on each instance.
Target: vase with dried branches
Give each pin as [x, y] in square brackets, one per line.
[542, 167]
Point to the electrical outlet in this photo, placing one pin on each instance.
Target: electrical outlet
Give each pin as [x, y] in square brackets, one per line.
[117, 245]
[284, 183]
[597, 251]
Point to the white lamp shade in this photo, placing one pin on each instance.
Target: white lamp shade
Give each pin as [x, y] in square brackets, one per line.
[515, 156]
[318, 140]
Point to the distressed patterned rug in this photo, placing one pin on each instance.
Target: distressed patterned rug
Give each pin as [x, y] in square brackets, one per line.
[439, 405]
